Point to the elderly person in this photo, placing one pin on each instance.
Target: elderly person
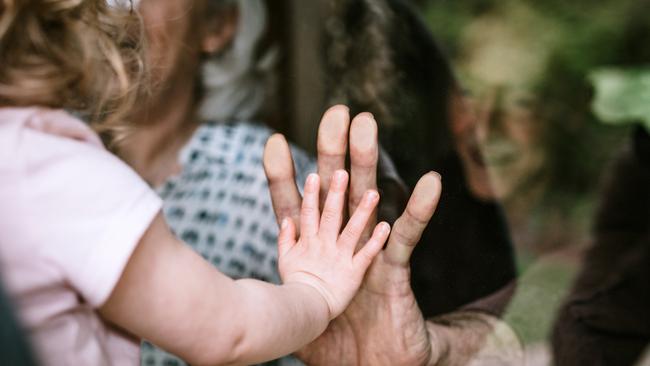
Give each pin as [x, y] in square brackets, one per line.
[194, 138]
[203, 152]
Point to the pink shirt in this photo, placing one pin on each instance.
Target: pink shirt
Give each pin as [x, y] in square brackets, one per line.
[71, 214]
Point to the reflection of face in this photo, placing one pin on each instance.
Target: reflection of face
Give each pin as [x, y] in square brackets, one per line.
[171, 49]
[509, 134]
[464, 128]
[498, 75]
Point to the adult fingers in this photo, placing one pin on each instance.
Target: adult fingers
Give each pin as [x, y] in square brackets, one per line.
[332, 145]
[408, 228]
[332, 216]
[278, 165]
[364, 154]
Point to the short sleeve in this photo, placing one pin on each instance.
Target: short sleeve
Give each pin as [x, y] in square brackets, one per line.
[78, 208]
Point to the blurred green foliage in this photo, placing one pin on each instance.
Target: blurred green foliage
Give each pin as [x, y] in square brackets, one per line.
[592, 30]
[622, 95]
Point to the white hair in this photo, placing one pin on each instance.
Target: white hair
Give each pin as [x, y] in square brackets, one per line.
[123, 3]
[234, 82]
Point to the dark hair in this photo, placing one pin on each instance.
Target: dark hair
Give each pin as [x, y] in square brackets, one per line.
[383, 59]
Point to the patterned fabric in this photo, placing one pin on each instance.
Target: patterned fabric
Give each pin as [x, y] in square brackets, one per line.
[220, 205]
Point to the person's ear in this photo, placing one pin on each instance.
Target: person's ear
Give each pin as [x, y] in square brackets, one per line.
[219, 31]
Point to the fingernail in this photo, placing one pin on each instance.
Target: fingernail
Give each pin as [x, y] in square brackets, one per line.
[285, 223]
[311, 180]
[372, 195]
[339, 175]
[437, 175]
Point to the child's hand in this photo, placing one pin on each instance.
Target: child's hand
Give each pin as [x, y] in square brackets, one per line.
[323, 257]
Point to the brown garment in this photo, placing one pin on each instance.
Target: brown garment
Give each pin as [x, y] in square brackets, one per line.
[606, 318]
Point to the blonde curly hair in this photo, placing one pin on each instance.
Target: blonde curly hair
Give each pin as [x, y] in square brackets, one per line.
[79, 55]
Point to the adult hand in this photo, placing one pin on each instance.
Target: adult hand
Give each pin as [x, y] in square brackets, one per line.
[383, 324]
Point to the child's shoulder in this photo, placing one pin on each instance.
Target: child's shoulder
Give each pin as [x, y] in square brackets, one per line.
[18, 123]
[28, 133]
[39, 142]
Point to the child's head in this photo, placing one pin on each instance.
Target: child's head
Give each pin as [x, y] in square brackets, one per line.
[80, 55]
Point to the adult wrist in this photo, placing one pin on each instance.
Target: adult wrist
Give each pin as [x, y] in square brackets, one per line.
[470, 336]
[439, 338]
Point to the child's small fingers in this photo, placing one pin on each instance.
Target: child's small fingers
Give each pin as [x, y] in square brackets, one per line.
[368, 252]
[309, 213]
[353, 230]
[287, 236]
[332, 216]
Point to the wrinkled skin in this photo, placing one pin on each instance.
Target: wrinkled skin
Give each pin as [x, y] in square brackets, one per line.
[383, 325]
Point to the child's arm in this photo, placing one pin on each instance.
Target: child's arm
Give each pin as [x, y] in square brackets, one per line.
[169, 295]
